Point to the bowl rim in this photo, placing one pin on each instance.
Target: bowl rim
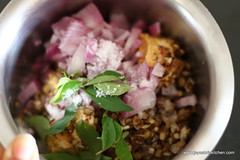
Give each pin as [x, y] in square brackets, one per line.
[221, 97]
[216, 117]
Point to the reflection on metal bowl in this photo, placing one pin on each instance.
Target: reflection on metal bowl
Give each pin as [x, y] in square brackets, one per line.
[189, 21]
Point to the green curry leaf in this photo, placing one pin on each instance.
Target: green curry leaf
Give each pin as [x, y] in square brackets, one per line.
[123, 151]
[61, 124]
[65, 89]
[105, 158]
[63, 81]
[109, 103]
[61, 156]
[89, 136]
[113, 73]
[108, 132]
[113, 89]
[102, 79]
[40, 124]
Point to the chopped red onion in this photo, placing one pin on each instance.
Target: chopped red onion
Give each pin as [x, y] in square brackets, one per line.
[28, 90]
[140, 24]
[107, 32]
[37, 42]
[120, 35]
[140, 99]
[73, 37]
[41, 65]
[125, 65]
[89, 57]
[158, 70]
[91, 46]
[94, 33]
[86, 41]
[77, 62]
[154, 29]
[152, 82]
[142, 71]
[90, 15]
[53, 52]
[190, 100]
[64, 104]
[119, 20]
[137, 43]
[135, 73]
[139, 55]
[169, 91]
[61, 26]
[108, 56]
[134, 34]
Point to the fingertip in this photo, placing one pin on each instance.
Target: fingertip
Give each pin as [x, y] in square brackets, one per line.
[23, 147]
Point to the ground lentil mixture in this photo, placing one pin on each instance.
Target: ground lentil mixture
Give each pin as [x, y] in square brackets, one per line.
[157, 133]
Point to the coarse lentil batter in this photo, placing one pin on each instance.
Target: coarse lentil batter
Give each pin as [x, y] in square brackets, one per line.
[157, 133]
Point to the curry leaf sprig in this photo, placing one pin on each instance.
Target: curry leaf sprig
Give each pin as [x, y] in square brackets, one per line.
[104, 83]
[61, 124]
[40, 123]
[103, 89]
[113, 136]
[109, 103]
[111, 132]
[89, 136]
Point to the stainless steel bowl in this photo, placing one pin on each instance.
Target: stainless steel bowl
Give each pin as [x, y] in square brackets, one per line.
[24, 21]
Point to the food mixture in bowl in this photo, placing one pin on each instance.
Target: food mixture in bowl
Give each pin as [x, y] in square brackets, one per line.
[110, 90]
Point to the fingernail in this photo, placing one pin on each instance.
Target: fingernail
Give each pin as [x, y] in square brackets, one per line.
[23, 147]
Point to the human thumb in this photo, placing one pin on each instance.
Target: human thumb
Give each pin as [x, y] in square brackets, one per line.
[23, 147]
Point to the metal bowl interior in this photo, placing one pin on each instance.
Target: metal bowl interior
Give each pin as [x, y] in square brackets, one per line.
[22, 23]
